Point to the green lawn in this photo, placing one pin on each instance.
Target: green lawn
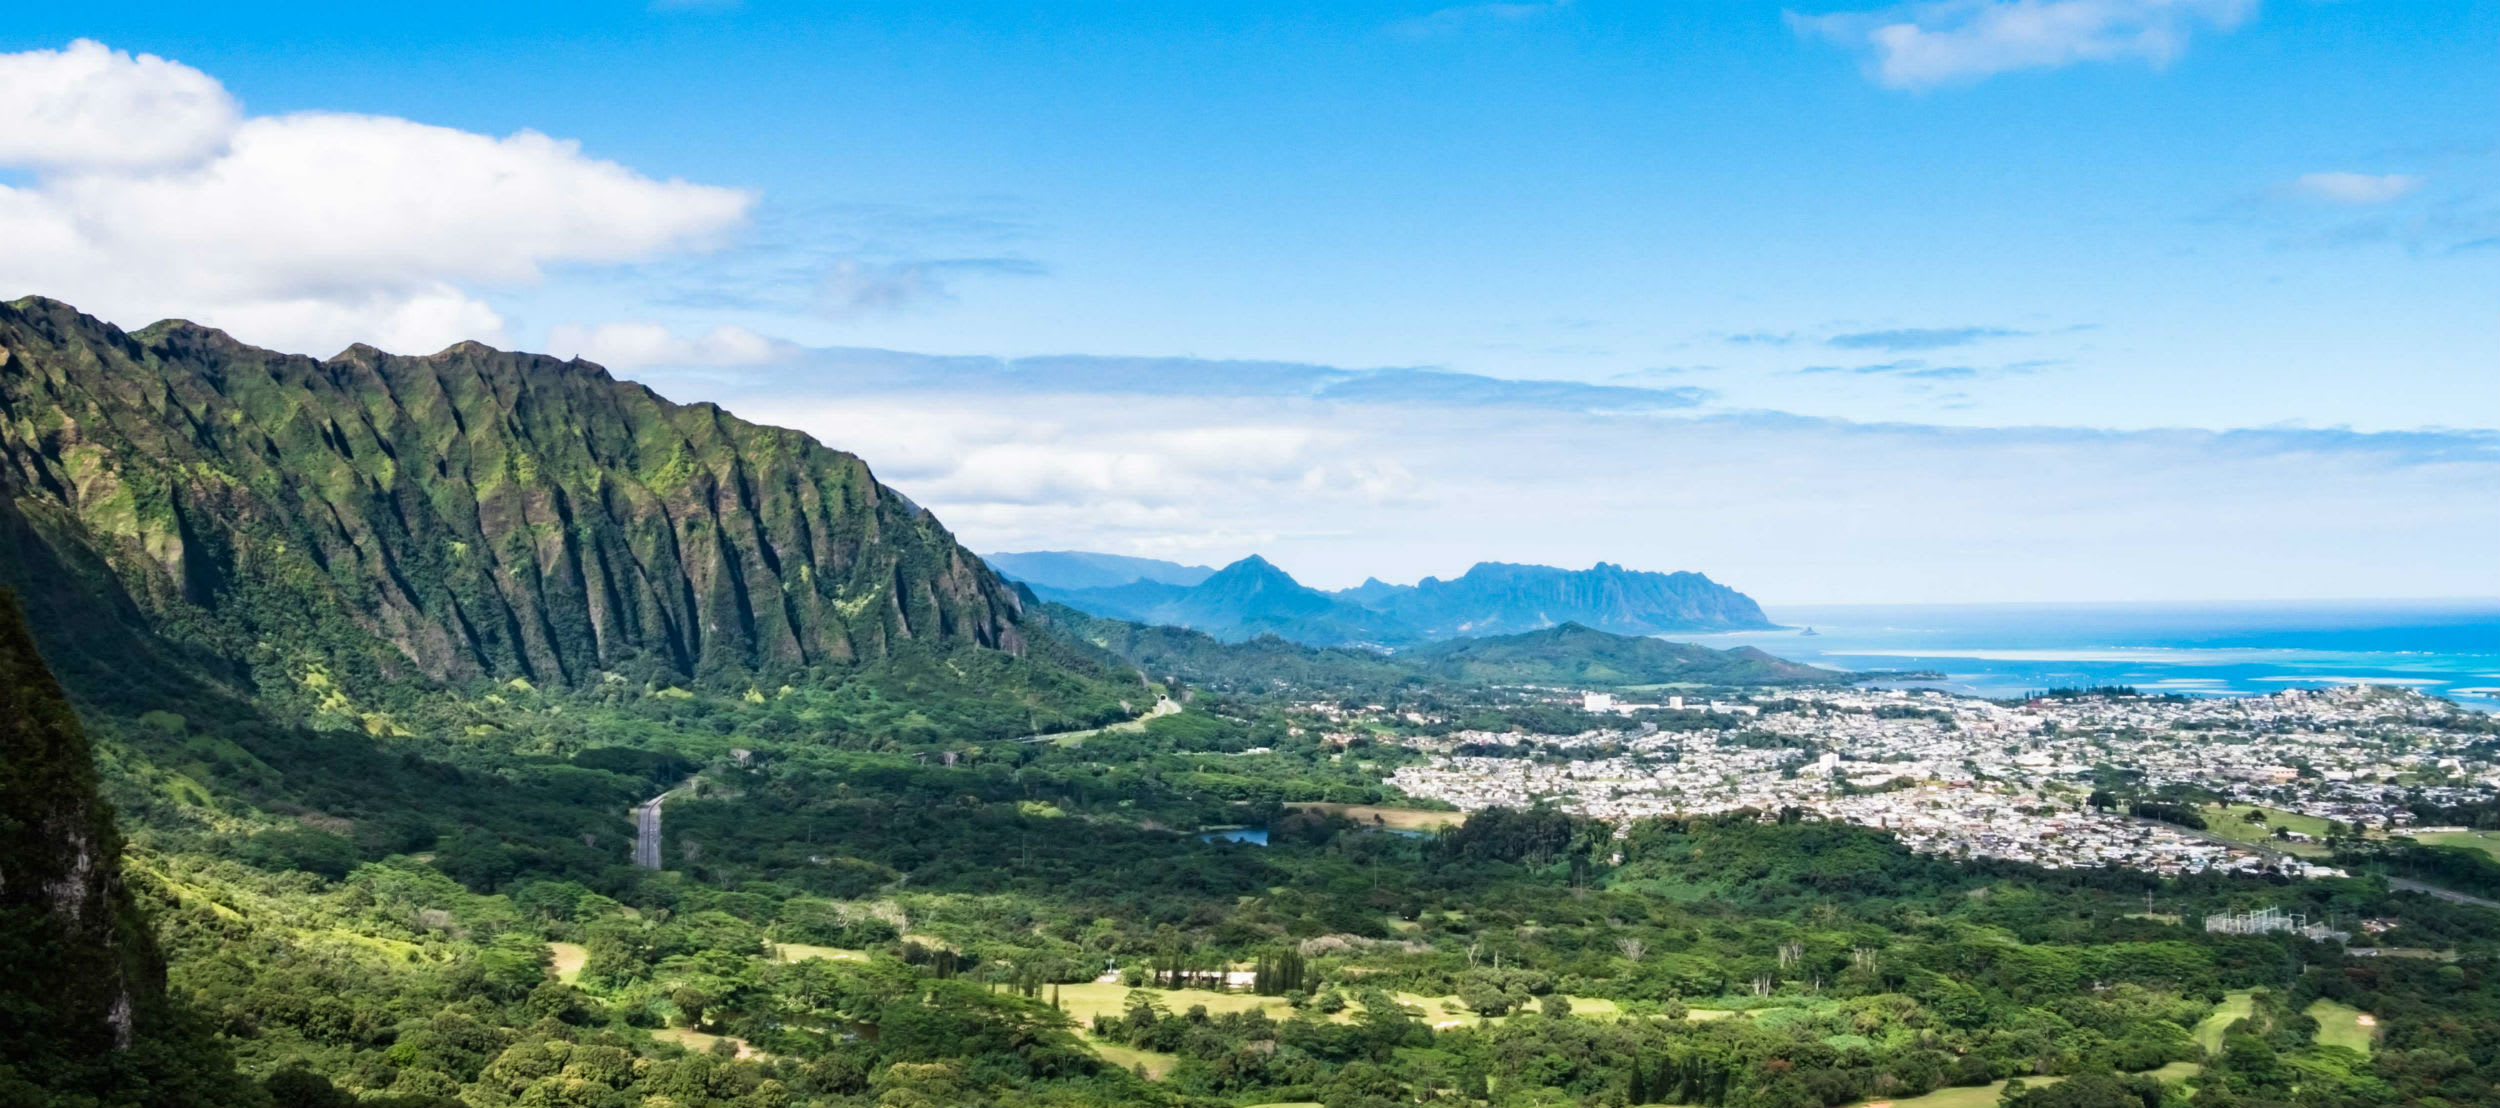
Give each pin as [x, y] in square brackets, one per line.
[1986, 1096]
[2235, 1007]
[569, 958]
[1963, 1096]
[2486, 841]
[1085, 1001]
[1156, 1063]
[2230, 822]
[2340, 1025]
[800, 952]
[1397, 819]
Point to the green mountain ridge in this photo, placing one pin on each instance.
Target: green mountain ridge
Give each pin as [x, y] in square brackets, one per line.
[1575, 655]
[471, 513]
[1568, 655]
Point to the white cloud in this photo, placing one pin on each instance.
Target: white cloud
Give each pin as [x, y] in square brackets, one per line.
[312, 230]
[638, 345]
[89, 106]
[1922, 45]
[1208, 461]
[2357, 188]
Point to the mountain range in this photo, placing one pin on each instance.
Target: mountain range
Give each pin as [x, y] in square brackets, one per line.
[1253, 597]
[470, 513]
[182, 512]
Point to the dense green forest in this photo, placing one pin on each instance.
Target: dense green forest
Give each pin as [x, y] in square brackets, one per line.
[930, 843]
[448, 917]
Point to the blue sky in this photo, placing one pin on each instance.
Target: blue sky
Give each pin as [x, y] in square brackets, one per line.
[2226, 257]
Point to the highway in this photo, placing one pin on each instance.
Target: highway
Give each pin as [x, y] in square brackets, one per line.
[2407, 884]
[647, 831]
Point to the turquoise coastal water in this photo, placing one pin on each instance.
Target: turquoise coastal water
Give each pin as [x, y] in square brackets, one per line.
[2444, 648]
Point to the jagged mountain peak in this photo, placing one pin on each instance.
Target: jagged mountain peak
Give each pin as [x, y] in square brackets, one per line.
[471, 512]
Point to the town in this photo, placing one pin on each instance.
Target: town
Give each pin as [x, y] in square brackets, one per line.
[2029, 781]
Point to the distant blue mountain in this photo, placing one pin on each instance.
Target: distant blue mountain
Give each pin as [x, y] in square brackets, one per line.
[1078, 569]
[1498, 598]
[1252, 597]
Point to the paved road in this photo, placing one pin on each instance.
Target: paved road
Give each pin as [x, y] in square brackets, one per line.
[647, 828]
[2410, 885]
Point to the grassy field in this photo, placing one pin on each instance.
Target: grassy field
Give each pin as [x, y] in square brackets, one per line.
[2230, 822]
[1396, 819]
[569, 958]
[2486, 841]
[1163, 707]
[1083, 1002]
[1986, 1096]
[1156, 1064]
[2341, 1025]
[701, 1043]
[1962, 1096]
[800, 952]
[2235, 1007]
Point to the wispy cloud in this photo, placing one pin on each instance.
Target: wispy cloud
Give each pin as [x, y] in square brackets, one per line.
[1764, 338]
[1910, 368]
[1941, 42]
[2356, 188]
[1918, 338]
[1460, 17]
[1341, 473]
[629, 346]
[852, 287]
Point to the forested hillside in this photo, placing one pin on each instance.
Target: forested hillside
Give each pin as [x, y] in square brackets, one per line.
[83, 1011]
[471, 513]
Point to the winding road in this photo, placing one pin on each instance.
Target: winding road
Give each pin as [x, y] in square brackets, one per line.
[647, 828]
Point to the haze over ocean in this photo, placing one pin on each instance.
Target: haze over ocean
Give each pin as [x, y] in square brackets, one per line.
[2444, 648]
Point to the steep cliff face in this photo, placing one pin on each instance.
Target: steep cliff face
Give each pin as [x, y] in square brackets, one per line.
[83, 1016]
[60, 858]
[468, 513]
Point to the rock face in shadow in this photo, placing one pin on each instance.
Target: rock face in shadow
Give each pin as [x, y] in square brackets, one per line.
[470, 513]
[82, 1007]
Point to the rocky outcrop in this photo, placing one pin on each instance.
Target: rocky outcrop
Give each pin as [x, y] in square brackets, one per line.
[468, 513]
[83, 1014]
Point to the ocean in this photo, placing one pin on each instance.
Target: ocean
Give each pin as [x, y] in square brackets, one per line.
[2443, 648]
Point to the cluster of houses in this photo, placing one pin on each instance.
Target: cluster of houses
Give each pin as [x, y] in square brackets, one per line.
[1976, 778]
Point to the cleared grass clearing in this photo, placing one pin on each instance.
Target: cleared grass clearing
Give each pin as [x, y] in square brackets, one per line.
[569, 959]
[1083, 1002]
[2231, 822]
[1395, 819]
[2486, 841]
[2344, 1025]
[1163, 707]
[800, 952]
[701, 1043]
[1156, 1064]
[1986, 1096]
[2234, 1008]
